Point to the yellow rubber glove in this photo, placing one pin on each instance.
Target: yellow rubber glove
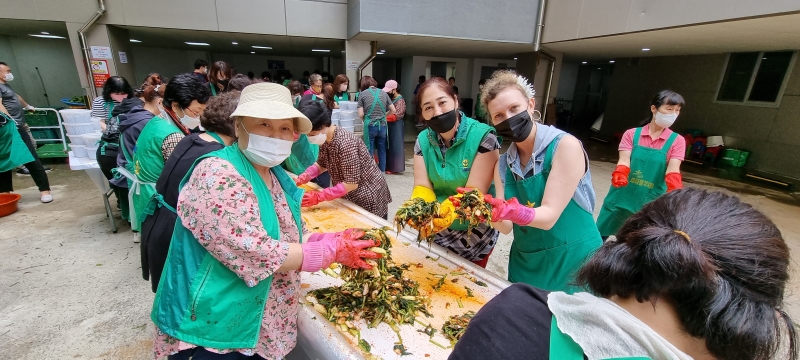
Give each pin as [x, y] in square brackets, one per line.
[447, 214]
[423, 193]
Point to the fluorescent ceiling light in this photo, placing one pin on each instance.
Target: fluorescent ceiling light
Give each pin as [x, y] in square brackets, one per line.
[135, 41]
[262, 47]
[45, 33]
[197, 43]
[47, 36]
[611, 62]
[515, 58]
[252, 52]
[645, 49]
[584, 63]
[234, 43]
[320, 50]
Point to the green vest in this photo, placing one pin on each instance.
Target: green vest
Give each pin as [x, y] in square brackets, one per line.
[564, 348]
[13, 151]
[645, 184]
[549, 259]
[345, 97]
[148, 163]
[304, 154]
[199, 300]
[450, 171]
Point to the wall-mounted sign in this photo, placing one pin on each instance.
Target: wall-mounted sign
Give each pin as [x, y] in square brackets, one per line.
[353, 65]
[101, 52]
[123, 57]
[100, 72]
[275, 65]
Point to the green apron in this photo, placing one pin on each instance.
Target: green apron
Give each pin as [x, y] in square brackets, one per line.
[213, 89]
[562, 346]
[645, 184]
[148, 162]
[304, 154]
[345, 97]
[13, 151]
[157, 201]
[376, 95]
[548, 259]
[200, 300]
[450, 170]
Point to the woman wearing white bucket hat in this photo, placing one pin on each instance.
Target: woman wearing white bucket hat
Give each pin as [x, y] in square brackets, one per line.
[231, 283]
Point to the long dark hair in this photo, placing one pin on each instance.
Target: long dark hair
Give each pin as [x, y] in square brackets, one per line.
[217, 68]
[721, 263]
[663, 97]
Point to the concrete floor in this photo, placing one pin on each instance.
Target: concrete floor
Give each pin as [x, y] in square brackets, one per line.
[70, 288]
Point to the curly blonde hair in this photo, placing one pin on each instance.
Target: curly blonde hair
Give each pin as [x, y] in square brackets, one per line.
[501, 80]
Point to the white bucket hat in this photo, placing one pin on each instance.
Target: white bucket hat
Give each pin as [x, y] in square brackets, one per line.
[270, 101]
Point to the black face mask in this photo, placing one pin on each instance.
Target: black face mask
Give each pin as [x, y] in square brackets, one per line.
[224, 82]
[516, 128]
[444, 122]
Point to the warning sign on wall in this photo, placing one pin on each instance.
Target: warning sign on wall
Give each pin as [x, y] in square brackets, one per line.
[100, 72]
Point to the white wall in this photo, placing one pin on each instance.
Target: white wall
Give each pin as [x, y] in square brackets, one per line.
[54, 59]
[408, 83]
[476, 73]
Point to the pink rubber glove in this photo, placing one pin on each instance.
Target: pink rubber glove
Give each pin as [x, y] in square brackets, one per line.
[510, 210]
[306, 176]
[343, 248]
[312, 198]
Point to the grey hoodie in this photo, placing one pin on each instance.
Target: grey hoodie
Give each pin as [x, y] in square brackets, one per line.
[130, 127]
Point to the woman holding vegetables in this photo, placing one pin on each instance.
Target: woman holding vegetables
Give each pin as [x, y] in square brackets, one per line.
[546, 179]
[454, 151]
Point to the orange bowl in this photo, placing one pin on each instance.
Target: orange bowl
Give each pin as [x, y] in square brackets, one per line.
[8, 203]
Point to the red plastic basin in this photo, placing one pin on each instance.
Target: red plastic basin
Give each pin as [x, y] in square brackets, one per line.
[8, 203]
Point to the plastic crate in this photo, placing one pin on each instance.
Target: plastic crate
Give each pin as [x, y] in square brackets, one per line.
[41, 118]
[49, 134]
[50, 151]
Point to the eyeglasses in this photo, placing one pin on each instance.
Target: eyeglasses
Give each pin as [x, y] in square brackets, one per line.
[192, 113]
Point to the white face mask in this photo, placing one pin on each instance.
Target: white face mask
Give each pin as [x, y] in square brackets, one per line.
[9, 77]
[189, 122]
[318, 139]
[266, 151]
[665, 120]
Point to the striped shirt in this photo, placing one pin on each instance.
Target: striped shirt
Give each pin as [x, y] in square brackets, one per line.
[101, 109]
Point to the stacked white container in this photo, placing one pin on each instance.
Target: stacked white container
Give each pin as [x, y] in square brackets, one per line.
[78, 122]
[335, 116]
[92, 141]
[347, 119]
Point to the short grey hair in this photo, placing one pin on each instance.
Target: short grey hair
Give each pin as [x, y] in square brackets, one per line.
[313, 78]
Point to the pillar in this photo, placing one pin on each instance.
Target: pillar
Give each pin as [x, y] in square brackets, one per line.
[356, 52]
[107, 36]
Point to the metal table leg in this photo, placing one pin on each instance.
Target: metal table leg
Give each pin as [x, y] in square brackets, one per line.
[109, 214]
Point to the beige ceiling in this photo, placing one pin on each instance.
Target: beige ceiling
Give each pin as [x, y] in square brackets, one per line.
[397, 45]
[758, 34]
[221, 42]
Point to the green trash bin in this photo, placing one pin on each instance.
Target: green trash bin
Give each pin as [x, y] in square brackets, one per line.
[734, 157]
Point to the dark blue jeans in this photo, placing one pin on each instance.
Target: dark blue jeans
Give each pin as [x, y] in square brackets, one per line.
[377, 142]
[200, 353]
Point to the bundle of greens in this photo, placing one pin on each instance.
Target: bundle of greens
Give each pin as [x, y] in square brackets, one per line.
[381, 294]
[418, 214]
[455, 327]
[472, 209]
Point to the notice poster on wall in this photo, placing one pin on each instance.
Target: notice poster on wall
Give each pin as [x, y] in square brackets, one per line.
[100, 72]
[101, 52]
[352, 65]
[275, 65]
[123, 57]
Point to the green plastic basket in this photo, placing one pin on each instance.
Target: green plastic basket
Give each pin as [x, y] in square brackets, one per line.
[41, 118]
[734, 157]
